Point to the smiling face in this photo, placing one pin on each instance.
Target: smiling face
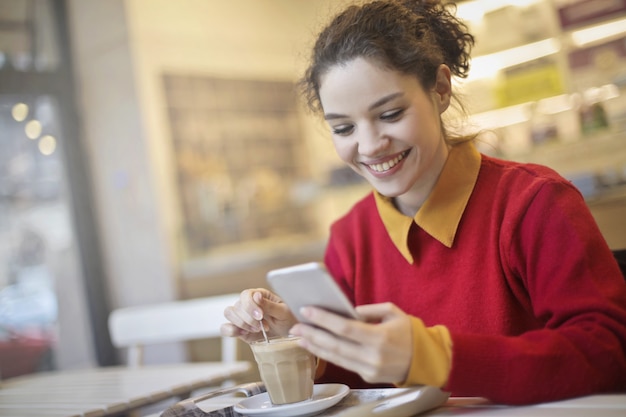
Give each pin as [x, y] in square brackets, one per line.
[387, 128]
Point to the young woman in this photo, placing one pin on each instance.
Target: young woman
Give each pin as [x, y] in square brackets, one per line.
[481, 276]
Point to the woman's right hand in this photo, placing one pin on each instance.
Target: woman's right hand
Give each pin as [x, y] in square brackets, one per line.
[256, 306]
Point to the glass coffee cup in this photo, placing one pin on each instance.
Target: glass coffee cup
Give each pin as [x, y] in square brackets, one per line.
[287, 369]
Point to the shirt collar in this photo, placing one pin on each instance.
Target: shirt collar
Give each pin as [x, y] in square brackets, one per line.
[441, 213]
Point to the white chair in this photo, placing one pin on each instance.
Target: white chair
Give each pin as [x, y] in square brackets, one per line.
[175, 321]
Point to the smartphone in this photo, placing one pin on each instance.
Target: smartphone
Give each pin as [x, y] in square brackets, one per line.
[310, 284]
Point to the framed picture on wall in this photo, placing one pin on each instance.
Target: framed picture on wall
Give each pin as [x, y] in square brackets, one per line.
[238, 153]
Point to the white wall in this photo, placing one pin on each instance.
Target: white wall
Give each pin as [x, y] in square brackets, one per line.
[136, 258]
[239, 39]
[121, 49]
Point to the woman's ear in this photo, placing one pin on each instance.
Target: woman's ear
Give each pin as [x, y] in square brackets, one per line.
[443, 87]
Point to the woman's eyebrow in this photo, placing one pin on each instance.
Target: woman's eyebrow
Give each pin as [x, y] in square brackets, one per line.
[331, 116]
[377, 103]
[385, 100]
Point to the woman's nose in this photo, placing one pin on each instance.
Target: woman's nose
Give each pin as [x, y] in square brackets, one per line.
[372, 142]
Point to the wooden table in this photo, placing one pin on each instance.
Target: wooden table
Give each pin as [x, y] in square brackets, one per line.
[109, 391]
[389, 402]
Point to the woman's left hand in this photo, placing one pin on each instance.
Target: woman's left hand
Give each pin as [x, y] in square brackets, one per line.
[379, 348]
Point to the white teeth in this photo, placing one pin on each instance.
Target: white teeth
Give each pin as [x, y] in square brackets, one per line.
[385, 166]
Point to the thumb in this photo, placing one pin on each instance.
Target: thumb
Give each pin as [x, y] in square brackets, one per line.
[373, 313]
[270, 305]
[258, 298]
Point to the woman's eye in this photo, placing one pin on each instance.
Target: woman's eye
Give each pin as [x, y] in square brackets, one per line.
[342, 130]
[392, 115]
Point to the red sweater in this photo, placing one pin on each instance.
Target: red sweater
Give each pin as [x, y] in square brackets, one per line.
[531, 294]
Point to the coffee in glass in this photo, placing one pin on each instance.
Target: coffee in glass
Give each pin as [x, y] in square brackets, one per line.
[287, 369]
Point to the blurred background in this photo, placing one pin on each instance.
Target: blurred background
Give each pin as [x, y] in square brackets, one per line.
[155, 150]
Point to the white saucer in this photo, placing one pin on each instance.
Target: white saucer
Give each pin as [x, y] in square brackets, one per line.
[324, 396]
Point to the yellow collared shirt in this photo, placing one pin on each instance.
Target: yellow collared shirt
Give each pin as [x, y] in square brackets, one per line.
[441, 213]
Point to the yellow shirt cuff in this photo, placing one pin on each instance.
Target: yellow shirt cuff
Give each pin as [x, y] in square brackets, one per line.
[432, 355]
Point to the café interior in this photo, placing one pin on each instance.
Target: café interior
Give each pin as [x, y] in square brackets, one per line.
[155, 150]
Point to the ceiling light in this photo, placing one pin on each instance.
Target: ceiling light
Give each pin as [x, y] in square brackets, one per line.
[475, 10]
[593, 34]
[486, 66]
[19, 112]
[33, 129]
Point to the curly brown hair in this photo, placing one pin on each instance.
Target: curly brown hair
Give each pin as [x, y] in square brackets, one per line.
[410, 36]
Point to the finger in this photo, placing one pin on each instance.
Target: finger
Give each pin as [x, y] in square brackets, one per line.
[341, 326]
[377, 312]
[340, 351]
[240, 318]
[261, 309]
[230, 330]
[252, 302]
[323, 341]
[259, 302]
[276, 310]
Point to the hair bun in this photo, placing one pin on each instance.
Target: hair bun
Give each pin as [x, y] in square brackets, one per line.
[451, 33]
